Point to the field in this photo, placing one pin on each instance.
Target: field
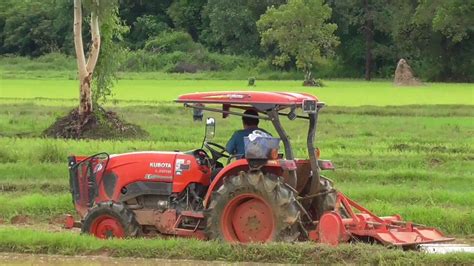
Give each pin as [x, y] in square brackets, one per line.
[397, 150]
[336, 93]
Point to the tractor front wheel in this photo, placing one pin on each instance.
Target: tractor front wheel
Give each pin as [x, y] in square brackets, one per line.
[253, 207]
[110, 220]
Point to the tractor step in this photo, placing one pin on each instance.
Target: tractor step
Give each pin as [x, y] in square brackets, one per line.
[350, 221]
[70, 223]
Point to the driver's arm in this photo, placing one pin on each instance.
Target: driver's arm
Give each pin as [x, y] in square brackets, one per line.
[231, 146]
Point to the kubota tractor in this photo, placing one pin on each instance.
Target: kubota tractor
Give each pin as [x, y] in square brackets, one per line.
[191, 194]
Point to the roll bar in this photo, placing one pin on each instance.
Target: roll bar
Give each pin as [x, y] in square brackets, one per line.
[273, 115]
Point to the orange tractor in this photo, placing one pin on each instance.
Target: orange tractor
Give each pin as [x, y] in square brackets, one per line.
[260, 197]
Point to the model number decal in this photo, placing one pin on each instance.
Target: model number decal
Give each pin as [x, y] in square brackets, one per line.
[160, 165]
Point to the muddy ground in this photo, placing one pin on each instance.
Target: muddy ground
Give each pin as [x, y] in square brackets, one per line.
[33, 259]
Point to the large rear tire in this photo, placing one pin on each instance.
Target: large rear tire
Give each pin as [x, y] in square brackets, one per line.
[110, 220]
[253, 207]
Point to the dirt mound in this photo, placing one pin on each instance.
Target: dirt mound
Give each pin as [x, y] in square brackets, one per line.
[20, 219]
[100, 124]
[404, 75]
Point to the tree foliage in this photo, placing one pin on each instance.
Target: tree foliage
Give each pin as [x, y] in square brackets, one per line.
[34, 28]
[300, 31]
[112, 53]
[186, 16]
[232, 24]
[435, 36]
[454, 19]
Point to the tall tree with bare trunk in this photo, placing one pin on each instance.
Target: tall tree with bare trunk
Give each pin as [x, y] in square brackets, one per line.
[104, 54]
[86, 68]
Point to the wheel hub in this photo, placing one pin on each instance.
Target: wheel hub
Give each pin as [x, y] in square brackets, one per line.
[248, 218]
[107, 227]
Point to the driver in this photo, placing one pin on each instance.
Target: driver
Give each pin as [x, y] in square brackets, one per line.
[235, 145]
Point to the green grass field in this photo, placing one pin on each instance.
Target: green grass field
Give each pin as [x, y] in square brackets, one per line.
[397, 150]
[336, 93]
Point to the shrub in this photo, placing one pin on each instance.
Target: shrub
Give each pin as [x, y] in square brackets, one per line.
[181, 62]
[172, 41]
[313, 83]
[251, 81]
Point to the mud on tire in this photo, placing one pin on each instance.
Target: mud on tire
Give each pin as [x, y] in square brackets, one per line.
[110, 219]
[269, 190]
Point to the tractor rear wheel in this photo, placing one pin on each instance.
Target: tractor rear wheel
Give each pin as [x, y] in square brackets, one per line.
[110, 220]
[253, 207]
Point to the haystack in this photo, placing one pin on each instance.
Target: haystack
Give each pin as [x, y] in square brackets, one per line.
[404, 75]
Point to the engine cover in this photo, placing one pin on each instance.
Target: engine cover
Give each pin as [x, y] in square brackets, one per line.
[125, 176]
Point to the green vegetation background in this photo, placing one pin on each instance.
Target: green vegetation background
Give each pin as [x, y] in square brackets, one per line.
[178, 36]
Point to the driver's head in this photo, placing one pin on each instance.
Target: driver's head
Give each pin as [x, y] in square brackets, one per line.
[250, 121]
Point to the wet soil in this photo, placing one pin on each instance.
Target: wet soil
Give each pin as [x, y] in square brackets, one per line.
[39, 259]
[100, 124]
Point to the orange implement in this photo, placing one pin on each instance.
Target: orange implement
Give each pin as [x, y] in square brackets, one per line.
[349, 221]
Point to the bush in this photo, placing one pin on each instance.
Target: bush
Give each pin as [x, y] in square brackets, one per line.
[185, 62]
[251, 81]
[172, 41]
[143, 61]
[52, 61]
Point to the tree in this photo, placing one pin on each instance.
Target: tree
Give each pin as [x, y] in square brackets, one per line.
[300, 31]
[33, 28]
[454, 19]
[186, 15]
[146, 19]
[364, 31]
[144, 28]
[100, 11]
[436, 36]
[230, 25]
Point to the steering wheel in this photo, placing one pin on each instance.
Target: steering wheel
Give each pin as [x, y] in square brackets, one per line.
[216, 150]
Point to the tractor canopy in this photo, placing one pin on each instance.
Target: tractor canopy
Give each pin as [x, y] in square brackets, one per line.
[247, 97]
[261, 101]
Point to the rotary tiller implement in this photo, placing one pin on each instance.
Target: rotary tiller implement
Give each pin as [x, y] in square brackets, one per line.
[349, 221]
[253, 198]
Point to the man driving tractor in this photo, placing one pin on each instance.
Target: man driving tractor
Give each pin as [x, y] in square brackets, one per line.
[235, 145]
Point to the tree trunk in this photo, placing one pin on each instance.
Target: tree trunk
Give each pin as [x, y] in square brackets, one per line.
[308, 78]
[307, 75]
[369, 39]
[85, 96]
[85, 70]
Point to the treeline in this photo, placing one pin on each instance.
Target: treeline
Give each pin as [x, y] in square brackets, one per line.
[435, 36]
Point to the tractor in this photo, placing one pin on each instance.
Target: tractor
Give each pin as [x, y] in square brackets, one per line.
[275, 197]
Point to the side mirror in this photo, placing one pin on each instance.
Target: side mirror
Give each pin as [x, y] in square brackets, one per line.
[210, 128]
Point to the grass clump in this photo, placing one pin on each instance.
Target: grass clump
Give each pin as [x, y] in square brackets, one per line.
[51, 152]
[36, 206]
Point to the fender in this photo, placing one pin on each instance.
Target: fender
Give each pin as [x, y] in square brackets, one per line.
[274, 166]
